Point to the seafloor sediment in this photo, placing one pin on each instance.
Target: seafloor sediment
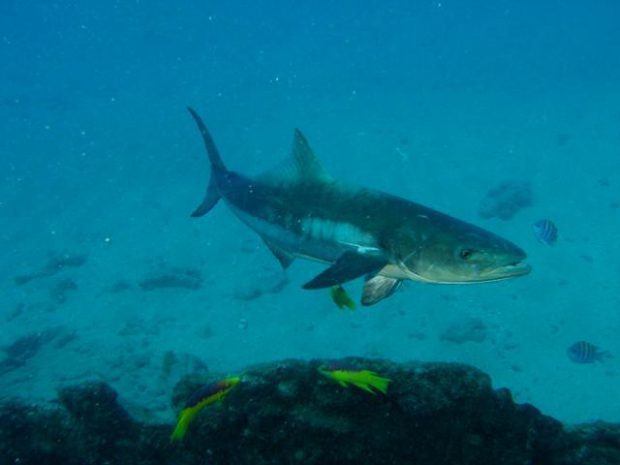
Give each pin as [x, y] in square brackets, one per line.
[286, 412]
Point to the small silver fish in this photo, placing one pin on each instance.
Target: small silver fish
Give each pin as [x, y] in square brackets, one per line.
[585, 352]
[545, 231]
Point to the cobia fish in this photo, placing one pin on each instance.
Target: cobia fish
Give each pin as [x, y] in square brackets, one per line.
[300, 211]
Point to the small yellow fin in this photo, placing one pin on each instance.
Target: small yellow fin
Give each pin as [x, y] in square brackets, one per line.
[378, 382]
[341, 298]
[364, 386]
[185, 418]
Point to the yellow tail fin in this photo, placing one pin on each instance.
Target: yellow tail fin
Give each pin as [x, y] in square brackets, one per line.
[185, 418]
[370, 378]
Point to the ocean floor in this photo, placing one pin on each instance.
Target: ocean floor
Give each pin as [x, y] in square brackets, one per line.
[105, 276]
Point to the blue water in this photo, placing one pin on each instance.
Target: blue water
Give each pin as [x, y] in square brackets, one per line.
[438, 102]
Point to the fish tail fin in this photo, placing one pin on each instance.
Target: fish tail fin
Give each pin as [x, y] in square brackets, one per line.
[210, 200]
[364, 386]
[379, 383]
[185, 418]
[217, 166]
[602, 356]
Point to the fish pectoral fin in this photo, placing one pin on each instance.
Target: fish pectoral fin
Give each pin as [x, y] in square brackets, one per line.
[283, 256]
[378, 288]
[349, 266]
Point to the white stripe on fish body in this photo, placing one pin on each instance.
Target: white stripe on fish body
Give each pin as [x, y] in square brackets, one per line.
[299, 245]
[346, 234]
[266, 229]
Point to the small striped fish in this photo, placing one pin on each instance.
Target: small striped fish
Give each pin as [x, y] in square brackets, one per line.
[545, 231]
[584, 352]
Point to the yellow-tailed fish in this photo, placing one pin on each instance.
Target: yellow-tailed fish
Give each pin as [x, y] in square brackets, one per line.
[204, 396]
[341, 298]
[366, 380]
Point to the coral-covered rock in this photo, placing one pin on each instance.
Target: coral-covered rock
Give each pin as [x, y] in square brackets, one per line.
[433, 414]
[36, 435]
[591, 444]
[183, 278]
[288, 412]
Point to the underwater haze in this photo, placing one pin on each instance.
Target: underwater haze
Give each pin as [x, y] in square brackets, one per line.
[500, 113]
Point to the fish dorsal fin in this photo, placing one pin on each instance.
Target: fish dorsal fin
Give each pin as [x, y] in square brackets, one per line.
[306, 163]
[301, 166]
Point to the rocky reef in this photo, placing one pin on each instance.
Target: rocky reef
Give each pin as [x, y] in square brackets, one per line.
[55, 264]
[187, 278]
[287, 412]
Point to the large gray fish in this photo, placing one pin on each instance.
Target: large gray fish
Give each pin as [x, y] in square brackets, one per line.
[301, 211]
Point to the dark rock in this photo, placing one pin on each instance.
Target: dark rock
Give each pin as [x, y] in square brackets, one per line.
[16, 312]
[94, 406]
[506, 200]
[89, 428]
[187, 278]
[58, 262]
[433, 414]
[592, 444]
[107, 434]
[24, 348]
[287, 412]
[119, 286]
[65, 338]
[59, 291]
[31, 435]
[54, 265]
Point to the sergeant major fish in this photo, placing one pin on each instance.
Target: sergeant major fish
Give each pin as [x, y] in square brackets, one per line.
[546, 232]
[300, 211]
[585, 352]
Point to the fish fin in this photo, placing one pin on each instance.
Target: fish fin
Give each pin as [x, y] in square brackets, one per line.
[350, 265]
[378, 382]
[283, 256]
[185, 418]
[211, 198]
[378, 288]
[341, 298]
[302, 165]
[217, 165]
[343, 384]
[602, 356]
[350, 304]
[364, 387]
[214, 155]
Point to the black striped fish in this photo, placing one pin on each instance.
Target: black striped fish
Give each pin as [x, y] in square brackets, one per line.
[585, 352]
[546, 232]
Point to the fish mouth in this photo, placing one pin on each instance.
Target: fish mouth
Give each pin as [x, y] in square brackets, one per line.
[512, 270]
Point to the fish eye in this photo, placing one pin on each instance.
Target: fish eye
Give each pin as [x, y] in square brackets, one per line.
[465, 254]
